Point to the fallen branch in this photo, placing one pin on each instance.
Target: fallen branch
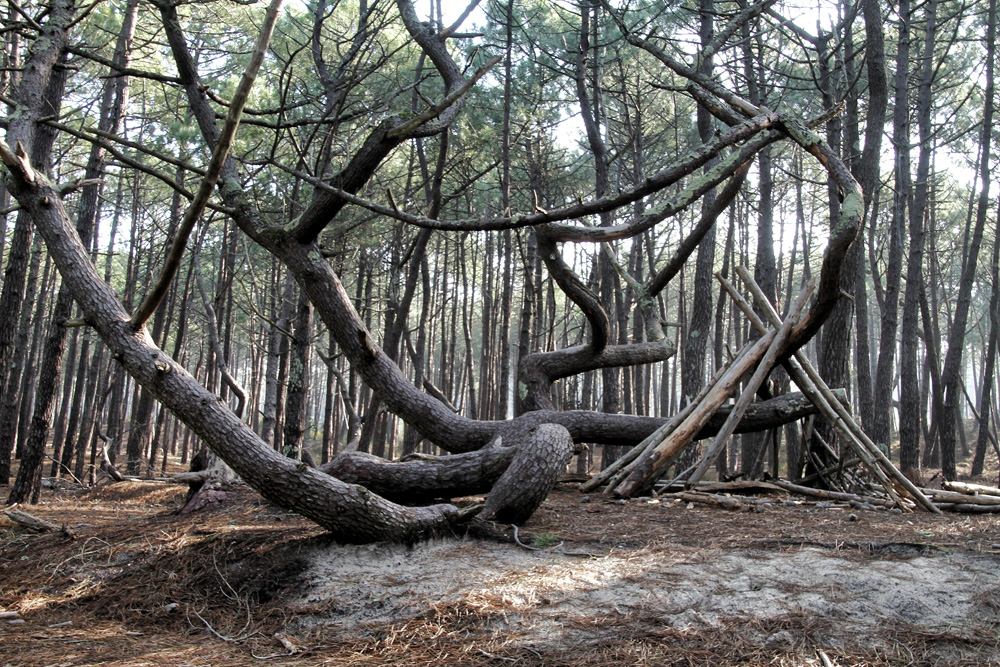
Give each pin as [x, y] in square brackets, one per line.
[189, 477]
[716, 500]
[831, 495]
[108, 467]
[968, 508]
[952, 497]
[29, 521]
[972, 489]
[518, 542]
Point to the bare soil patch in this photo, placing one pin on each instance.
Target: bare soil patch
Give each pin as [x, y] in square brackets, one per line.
[636, 583]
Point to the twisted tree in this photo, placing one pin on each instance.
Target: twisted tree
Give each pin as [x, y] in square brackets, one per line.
[516, 460]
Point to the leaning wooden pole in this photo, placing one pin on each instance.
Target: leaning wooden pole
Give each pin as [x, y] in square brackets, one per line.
[809, 380]
[756, 380]
[621, 467]
[814, 394]
[652, 464]
[823, 401]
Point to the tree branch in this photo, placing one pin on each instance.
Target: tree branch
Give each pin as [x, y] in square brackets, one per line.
[219, 154]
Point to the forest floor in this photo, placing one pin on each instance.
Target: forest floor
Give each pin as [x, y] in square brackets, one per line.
[642, 582]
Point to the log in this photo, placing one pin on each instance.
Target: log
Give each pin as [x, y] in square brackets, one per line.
[724, 502]
[969, 508]
[972, 489]
[750, 390]
[823, 494]
[29, 521]
[185, 477]
[961, 498]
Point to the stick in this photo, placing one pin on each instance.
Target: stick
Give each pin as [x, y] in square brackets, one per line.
[713, 499]
[651, 465]
[810, 382]
[831, 495]
[805, 382]
[625, 463]
[29, 521]
[750, 390]
[972, 489]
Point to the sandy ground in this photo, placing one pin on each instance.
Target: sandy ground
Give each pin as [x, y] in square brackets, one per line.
[844, 598]
[608, 583]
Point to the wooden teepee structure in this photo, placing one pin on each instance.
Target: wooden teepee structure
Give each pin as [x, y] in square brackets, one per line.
[642, 467]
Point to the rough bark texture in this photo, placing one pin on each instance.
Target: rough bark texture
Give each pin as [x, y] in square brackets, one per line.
[34, 98]
[985, 405]
[418, 478]
[882, 414]
[543, 439]
[542, 454]
[350, 512]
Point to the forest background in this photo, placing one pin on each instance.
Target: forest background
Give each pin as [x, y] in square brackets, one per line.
[565, 109]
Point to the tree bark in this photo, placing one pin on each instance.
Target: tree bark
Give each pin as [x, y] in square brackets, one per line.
[541, 456]
[298, 381]
[40, 94]
[985, 404]
[19, 369]
[350, 512]
[880, 428]
[910, 409]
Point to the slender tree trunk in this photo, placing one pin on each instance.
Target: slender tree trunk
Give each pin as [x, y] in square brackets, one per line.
[852, 140]
[951, 373]
[298, 380]
[39, 100]
[883, 397]
[9, 409]
[834, 342]
[989, 365]
[910, 410]
[29, 377]
[696, 335]
[282, 313]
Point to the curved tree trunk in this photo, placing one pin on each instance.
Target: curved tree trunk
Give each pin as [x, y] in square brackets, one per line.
[541, 456]
[543, 439]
